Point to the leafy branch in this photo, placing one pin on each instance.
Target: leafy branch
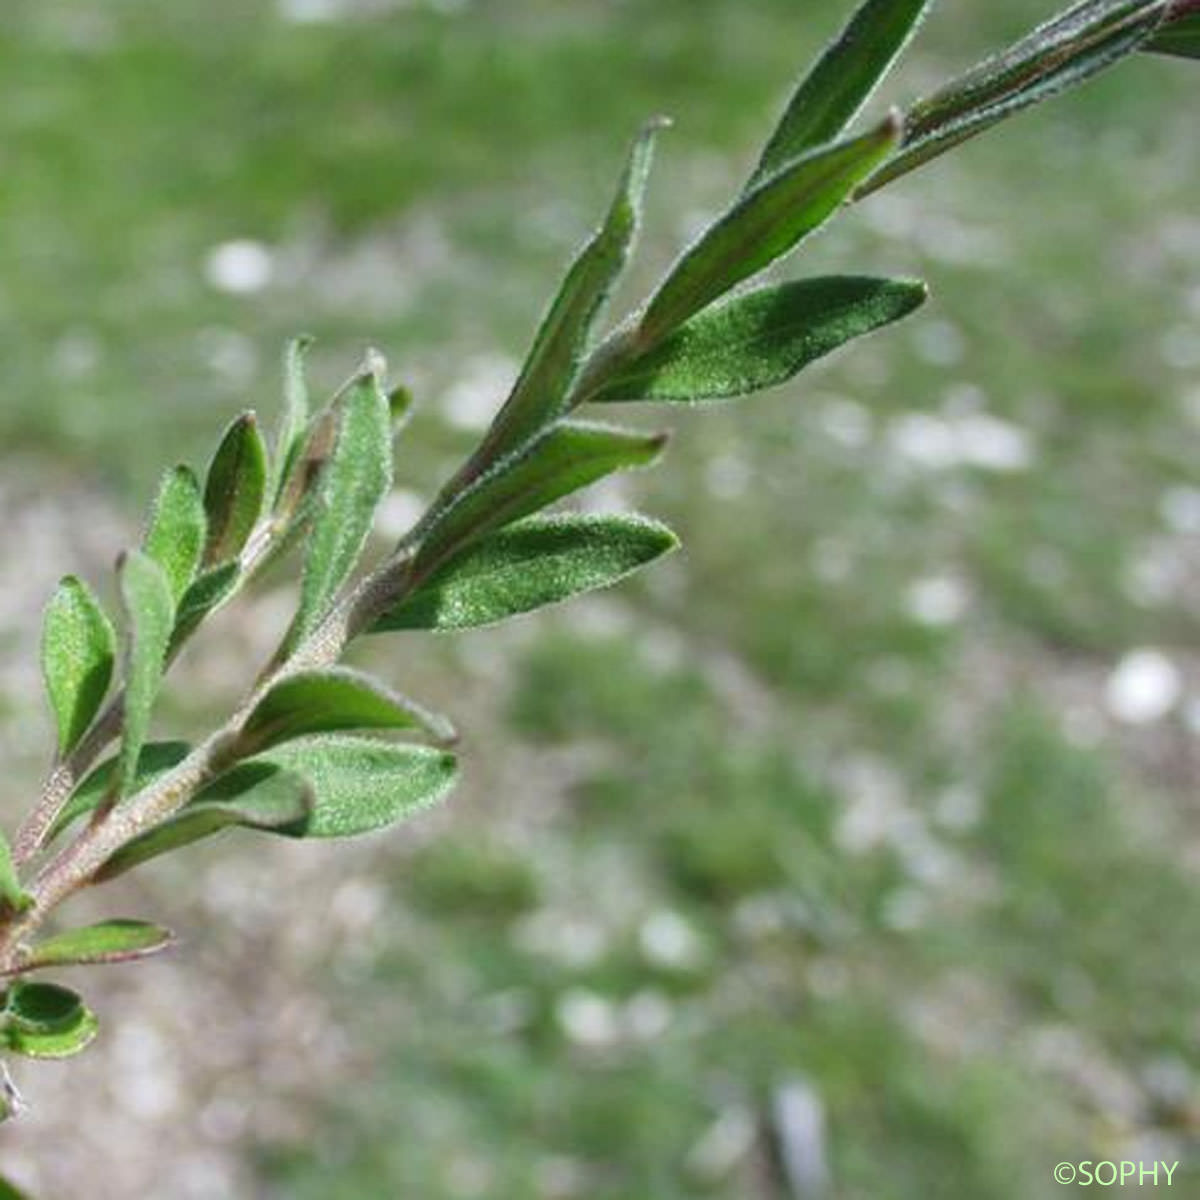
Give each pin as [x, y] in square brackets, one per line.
[318, 750]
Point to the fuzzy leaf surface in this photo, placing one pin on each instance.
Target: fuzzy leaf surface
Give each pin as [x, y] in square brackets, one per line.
[333, 700]
[535, 562]
[842, 80]
[764, 224]
[176, 533]
[292, 427]
[234, 490]
[207, 593]
[762, 338]
[79, 648]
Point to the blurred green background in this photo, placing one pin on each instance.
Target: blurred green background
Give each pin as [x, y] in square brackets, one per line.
[863, 834]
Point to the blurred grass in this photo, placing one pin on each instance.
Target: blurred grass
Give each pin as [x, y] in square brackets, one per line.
[834, 796]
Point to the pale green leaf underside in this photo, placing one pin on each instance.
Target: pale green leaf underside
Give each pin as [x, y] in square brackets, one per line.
[106, 942]
[762, 338]
[150, 613]
[175, 536]
[353, 482]
[234, 490]
[842, 80]
[333, 700]
[535, 562]
[763, 225]
[78, 651]
[44, 1020]
[360, 784]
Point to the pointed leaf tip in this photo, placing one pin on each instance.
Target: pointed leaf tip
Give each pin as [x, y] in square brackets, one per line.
[234, 489]
[113, 941]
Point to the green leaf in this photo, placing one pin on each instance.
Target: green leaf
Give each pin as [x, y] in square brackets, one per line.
[569, 456]
[361, 784]
[257, 795]
[234, 489]
[1178, 35]
[150, 614]
[842, 80]
[175, 537]
[206, 594]
[13, 897]
[539, 561]
[111, 941]
[1060, 54]
[155, 760]
[78, 651]
[354, 481]
[763, 225]
[44, 1020]
[293, 427]
[330, 700]
[9, 1191]
[762, 338]
[400, 407]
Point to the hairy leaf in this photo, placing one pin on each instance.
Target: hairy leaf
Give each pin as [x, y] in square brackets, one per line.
[111, 941]
[762, 338]
[842, 80]
[44, 1020]
[78, 651]
[361, 784]
[539, 561]
[257, 795]
[1060, 54]
[567, 457]
[175, 537]
[154, 761]
[331, 700]
[292, 429]
[207, 593]
[150, 616]
[354, 481]
[234, 489]
[763, 225]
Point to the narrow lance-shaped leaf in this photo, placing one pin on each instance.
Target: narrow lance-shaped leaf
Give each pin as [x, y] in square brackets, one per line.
[44, 1020]
[842, 80]
[762, 338]
[354, 481]
[175, 536]
[1179, 33]
[539, 561]
[295, 413]
[567, 457]
[333, 700]
[359, 783]
[111, 941]
[13, 897]
[234, 489]
[541, 391]
[155, 760]
[256, 795]
[150, 616]
[1061, 54]
[763, 225]
[78, 651]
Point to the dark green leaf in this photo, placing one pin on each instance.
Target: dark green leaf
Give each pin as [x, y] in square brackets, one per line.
[361, 784]
[155, 760]
[762, 338]
[842, 80]
[206, 594]
[13, 897]
[78, 651]
[400, 407]
[257, 795]
[175, 537]
[539, 561]
[1179, 35]
[354, 481]
[43, 1020]
[763, 225]
[295, 413]
[234, 489]
[107, 942]
[331, 700]
[150, 616]
[567, 457]
[9, 1191]
[1061, 54]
